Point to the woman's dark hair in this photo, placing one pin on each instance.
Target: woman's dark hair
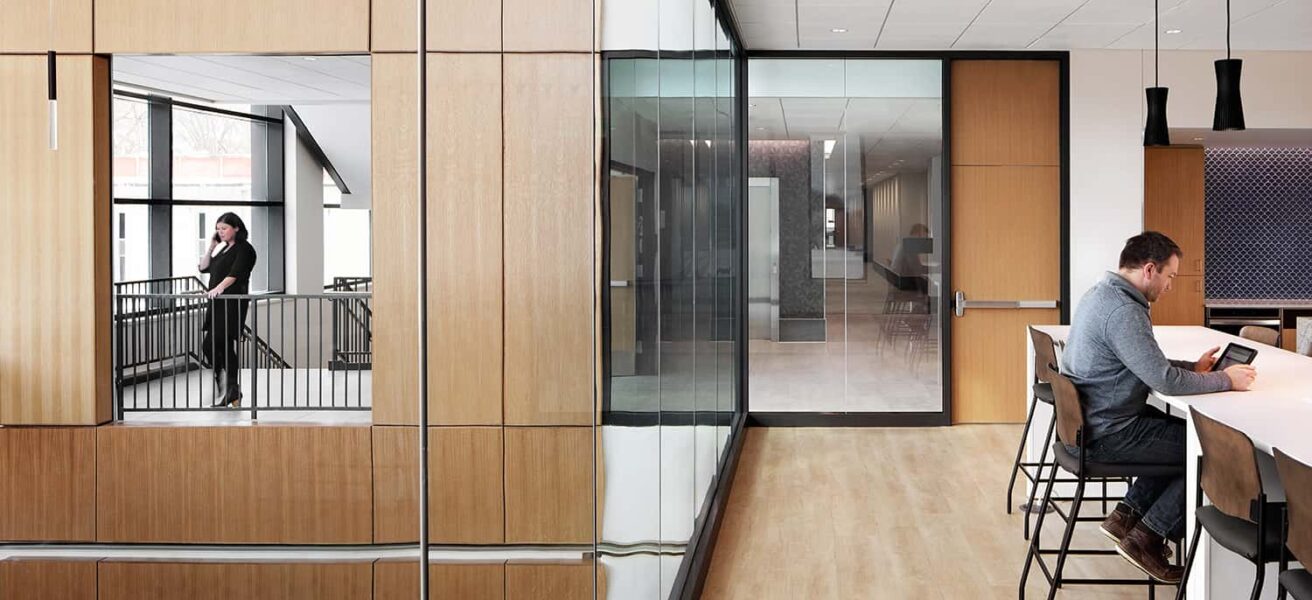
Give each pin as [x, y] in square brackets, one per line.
[1148, 247]
[234, 221]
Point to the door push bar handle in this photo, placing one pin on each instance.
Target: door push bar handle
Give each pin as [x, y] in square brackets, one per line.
[960, 304]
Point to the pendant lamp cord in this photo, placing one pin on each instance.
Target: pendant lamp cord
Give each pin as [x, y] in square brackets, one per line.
[1157, 36]
[1227, 29]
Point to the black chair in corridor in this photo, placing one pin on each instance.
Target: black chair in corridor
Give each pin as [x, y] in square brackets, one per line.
[1071, 432]
[1240, 518]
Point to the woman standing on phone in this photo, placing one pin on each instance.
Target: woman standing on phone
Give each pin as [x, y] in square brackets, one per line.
[230, 274]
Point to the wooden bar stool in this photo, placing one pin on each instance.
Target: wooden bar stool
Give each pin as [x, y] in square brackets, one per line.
[1071, 432]
[1239, 518]
[1297, 478]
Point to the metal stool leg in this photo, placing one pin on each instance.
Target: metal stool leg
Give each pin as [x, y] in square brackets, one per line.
[1020, 451]
[1066, 538]
[1034, 541]
[1055, 470]
[1189, 559]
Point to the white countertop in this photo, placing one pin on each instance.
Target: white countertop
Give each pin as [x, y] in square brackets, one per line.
[1275, 413]
[1257, 303]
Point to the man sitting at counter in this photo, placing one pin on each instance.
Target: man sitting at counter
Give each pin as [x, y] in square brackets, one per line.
[1114, 361]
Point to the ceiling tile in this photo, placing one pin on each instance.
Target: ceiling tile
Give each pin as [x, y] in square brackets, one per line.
[1087, 35]
[997, 36]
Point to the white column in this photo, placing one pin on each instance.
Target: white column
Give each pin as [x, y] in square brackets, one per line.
[303, 216]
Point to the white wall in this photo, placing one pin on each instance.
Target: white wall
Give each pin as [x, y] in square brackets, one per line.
[1107, 114]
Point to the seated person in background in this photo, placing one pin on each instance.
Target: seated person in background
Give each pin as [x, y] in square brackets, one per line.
[1114, 361]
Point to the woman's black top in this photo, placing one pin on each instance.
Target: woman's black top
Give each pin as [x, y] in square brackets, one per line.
[236, 260]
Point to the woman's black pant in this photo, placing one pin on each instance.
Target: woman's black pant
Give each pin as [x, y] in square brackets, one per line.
[224, 320]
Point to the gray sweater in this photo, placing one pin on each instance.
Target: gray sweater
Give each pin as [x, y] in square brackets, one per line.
[1114, 361]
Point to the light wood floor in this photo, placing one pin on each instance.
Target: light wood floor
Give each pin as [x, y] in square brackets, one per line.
[887, 513]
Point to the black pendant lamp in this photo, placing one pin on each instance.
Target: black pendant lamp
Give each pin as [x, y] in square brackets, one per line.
[1229, 106]
[1156, 132]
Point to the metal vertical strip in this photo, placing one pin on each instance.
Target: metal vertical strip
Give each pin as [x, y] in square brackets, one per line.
[422, 160]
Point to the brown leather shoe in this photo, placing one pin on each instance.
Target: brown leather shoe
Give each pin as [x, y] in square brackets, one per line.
[1147, 550]
[1120, 522]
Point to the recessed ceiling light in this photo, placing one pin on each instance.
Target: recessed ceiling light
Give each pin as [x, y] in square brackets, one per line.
[838, 30]
[753, 105]
[1198, 139]
[760, 129]
[1172, 31]
[311, 58]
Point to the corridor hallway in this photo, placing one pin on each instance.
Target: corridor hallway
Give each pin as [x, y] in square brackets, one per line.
[899, 513]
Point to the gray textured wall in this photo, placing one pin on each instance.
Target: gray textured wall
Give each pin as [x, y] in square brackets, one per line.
[800, 222]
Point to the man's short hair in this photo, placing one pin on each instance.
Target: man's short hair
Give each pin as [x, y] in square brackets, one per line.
[1148, 247]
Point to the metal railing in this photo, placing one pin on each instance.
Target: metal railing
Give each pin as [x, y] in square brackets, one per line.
[173, 350]
[352, 325]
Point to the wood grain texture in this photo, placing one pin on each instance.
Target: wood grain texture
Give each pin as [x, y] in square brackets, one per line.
[550, 580]
[1173, 201]
[988, 364]
[1289, 339]
[549, 251]
[395, 241]
[453, 26]
[549, 485]
[399, 580]
[26, 26]
[223, 581]
[884, 529]
[276, 484]
[466, 504]
[1183, 305]
[47, 484]
[54, 339]
[547, 25]
[182, 26]
[1006, 112]
[48, 579]
[1006, 235]
[464, 239]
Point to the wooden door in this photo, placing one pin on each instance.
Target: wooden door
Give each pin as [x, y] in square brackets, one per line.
[623, 299]
[1006, 228]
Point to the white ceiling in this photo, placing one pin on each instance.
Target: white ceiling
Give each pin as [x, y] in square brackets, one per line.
[250, 79]
[1020, 24]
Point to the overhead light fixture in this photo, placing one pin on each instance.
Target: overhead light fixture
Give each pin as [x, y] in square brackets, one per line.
[1229, 114]
[1155, 130]
[1198, 139]
[1172, 31]
[310, 58]
[838, 30]
[829, 147]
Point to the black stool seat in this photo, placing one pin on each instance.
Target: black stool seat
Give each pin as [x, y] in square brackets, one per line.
[1071, 463]
[1298, 582]
[1239, 535]
[1043, 391]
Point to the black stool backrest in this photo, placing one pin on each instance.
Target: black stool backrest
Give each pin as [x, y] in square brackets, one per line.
[1045, 354]
[1230, 476]
[1297, 479]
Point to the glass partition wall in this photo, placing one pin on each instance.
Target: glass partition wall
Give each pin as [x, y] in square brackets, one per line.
[845, 235]
[672, 184]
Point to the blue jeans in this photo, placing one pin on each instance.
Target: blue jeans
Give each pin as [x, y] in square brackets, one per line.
[1152, 438]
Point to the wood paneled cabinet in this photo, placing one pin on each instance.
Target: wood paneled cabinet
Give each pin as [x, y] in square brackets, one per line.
[1183, 305]
[1173, 194]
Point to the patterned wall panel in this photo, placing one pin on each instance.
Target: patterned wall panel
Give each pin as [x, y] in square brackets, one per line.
[1259, 223]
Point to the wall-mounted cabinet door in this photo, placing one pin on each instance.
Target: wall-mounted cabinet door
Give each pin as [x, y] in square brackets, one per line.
[1173, 204]
[1183, 305]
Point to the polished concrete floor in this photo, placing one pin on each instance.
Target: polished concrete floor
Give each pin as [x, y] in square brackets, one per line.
[886, 513]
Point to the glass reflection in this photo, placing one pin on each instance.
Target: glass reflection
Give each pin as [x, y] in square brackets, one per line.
[845, 199]
[671, 308]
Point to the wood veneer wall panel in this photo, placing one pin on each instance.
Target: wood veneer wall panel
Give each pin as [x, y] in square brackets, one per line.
[182, 26]
[549, 485]
[54, 339]
[1006, 112]
[395, 240]
[47, 484]
[548, 25]
[240, 485]
[25, 26]
[550, 581]
[399, 580]
[466, 504]
[453, 26]
[549, 250]
[465, 241]
[48, 579]
[1174, 201]
[224, 581]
